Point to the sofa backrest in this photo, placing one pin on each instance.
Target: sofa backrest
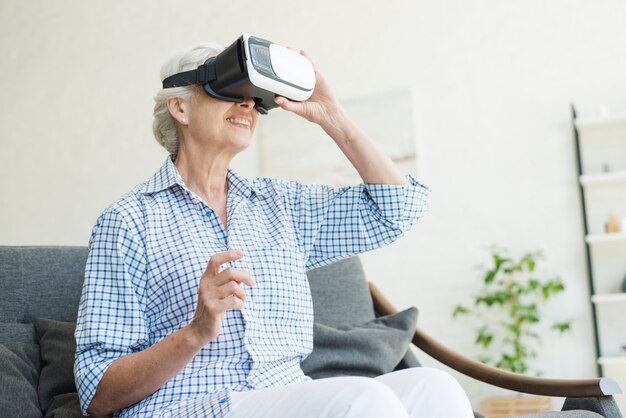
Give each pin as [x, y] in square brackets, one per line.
[46, 282]
[40, 282]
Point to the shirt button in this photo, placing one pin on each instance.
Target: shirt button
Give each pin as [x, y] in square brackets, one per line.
[250, 339]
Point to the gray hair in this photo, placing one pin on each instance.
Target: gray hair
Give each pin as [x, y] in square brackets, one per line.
[164, 127]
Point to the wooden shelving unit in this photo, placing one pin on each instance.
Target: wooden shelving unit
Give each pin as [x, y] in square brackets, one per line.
[601, 157]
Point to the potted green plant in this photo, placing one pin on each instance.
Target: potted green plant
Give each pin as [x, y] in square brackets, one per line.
[507, 308]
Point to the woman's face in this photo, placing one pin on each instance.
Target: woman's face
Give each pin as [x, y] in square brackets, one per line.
[227, 125]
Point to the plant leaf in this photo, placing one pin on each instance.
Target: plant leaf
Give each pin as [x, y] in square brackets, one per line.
[460, 310]
[562, 327]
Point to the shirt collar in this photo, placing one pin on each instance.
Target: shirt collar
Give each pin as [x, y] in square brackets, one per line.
[240, 185]
[168, 176]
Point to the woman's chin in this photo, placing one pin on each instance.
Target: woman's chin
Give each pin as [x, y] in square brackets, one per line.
[242, 140]
[241, 144]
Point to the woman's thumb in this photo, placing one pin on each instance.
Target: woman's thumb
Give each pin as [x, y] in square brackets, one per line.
[287, 104]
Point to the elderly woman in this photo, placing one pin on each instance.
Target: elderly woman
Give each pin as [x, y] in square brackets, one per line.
[196, 301]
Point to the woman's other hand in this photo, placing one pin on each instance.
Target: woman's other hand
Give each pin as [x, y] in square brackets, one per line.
[135, 376]
[218, 292]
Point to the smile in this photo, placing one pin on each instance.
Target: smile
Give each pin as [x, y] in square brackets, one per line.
[239, 121]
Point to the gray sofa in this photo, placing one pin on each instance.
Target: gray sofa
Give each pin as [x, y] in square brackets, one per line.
[40, 289]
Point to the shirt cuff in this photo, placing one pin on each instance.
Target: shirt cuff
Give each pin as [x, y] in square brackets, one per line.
[87, 381]
[397, 202]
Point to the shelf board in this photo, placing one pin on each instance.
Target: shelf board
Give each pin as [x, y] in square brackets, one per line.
[609, 298]
[599, 122]
[607, 237]
[603, 178]
[612, 360]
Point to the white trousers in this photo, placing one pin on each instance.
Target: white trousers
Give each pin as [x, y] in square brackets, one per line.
[416, 392]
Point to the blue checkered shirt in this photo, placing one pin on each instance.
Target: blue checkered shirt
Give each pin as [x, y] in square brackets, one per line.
[149, 249]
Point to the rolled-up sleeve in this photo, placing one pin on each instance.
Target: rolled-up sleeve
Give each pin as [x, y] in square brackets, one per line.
[337, 223]
[111, 320]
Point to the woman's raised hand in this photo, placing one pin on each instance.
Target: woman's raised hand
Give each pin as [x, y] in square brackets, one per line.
[321, 108]
[218, 292]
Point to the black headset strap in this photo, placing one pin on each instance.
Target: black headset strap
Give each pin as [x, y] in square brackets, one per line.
[202, 75]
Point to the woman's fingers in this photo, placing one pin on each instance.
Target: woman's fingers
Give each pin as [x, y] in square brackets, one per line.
[308, 110]
[221, 291]
[233, 274]
[217, 300]
[287, 104]
[231, 303]
[230, 289]
[216, 261]
[321, 107]
[305, 55]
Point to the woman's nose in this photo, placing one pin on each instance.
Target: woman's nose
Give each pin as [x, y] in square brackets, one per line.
[247, 102]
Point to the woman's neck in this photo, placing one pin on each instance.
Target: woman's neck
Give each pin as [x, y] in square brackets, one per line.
[205, 174]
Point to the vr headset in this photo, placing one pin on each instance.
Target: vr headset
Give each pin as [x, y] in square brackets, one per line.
[251, 67]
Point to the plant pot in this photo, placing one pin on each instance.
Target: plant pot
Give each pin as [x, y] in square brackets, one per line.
[502, 407]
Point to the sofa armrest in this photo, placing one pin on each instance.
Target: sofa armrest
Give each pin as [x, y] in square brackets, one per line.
[513, 381]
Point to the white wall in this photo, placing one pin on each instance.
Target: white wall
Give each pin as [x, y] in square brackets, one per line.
[493, 79]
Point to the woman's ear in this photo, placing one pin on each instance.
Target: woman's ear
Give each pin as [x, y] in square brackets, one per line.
[178, 109]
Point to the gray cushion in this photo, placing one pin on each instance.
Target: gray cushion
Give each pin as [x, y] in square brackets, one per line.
[340, 293]
[341, 297]
[64, 406]
[369, 349]
[56, 339]
[19, 370]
